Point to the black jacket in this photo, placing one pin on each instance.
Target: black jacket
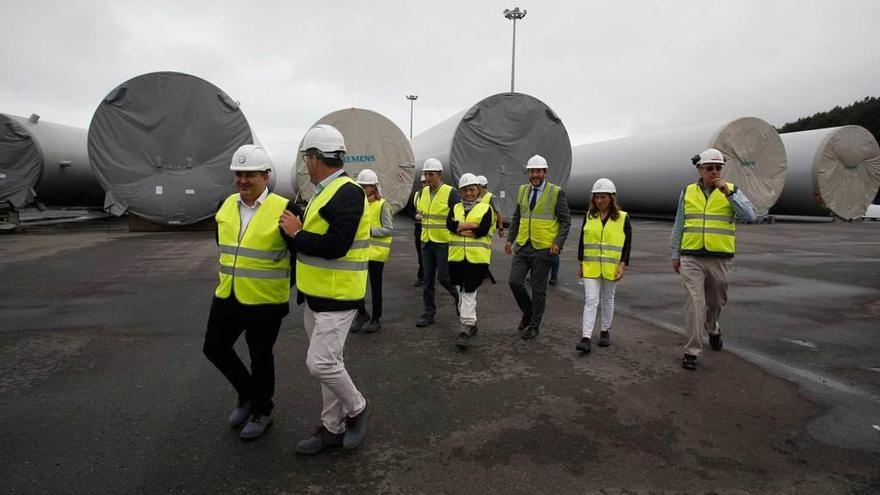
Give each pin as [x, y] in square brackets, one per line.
[343, 213]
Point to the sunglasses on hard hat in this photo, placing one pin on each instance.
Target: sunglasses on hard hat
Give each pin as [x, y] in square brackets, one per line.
[711, 167]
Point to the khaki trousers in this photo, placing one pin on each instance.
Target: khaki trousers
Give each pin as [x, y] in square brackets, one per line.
[327, 332]
[704, 279]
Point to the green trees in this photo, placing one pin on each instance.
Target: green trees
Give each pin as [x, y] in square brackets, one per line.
[865, 113]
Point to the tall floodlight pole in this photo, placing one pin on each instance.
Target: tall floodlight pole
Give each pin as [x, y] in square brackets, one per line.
[412, 99]
[514, 15]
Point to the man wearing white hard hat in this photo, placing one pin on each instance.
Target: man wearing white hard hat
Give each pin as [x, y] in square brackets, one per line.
[332, 242]
[537, 233]
[703, 243]
[417, 230]
[470, 251]
[435, 201]
[254, 290]
[603, 251]
[380, 250]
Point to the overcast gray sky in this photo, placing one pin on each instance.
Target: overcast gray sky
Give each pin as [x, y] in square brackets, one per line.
[608, 68]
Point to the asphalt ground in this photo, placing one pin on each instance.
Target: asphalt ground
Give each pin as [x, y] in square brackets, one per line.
[104, 389]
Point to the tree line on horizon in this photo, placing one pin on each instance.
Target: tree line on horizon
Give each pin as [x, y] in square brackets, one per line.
[865, 113]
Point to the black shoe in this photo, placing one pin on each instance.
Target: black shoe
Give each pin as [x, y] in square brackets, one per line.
[689, 362]
[524, 322]
[320, 440]
[604, 339]
[529, 333]
[373, 326]
[356, 429]
[424, 321]
[716, 342]
[463, 340]
[359, 322]
[583, 345]
[553, 280]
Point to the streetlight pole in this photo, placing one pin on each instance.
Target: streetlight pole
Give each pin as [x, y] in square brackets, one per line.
[412, 99]
[514, 15]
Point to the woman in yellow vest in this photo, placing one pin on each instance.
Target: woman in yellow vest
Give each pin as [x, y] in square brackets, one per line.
[605, 242]
[470, 251]
[379, 251]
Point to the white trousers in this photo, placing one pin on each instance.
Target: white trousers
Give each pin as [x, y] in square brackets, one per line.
[467, 307]
[598, 292]
[327, 332]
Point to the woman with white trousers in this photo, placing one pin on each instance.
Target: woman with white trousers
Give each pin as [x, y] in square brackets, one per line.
[605, 242]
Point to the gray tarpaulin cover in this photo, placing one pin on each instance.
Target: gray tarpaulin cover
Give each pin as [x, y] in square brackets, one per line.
[837, 169]
[374, 142]
[161, 145]
[20, 163]
[495, 138]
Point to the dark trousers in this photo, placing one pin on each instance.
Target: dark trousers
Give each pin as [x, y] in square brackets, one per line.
[375, 269]
[418, 239]
[538, 262]
[554, 268]
[227, 321]
[436, 264]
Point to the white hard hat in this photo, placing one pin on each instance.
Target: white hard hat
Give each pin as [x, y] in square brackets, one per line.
[536, 161]
[604, 185]
[711, 155]
[483, 180]
[250, 158]
[367, 177]
[468, 179]
[432, 165]
[325, 138]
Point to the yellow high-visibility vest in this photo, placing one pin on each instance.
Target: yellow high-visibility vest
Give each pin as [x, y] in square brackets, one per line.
[256, 269]
[487, 199]
[434, 211]
[380, 247]
[539, 225]
[341, 279]
[603, 246]
[475, 250]
[416, 197]
[709, 224]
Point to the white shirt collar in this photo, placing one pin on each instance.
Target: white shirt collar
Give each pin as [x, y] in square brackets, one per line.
[258, 202]
[326, 182]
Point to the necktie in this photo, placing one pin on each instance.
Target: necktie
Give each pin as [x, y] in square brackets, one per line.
[534, 198]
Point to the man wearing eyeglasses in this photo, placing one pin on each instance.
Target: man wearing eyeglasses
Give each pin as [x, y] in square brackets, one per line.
[703, 243]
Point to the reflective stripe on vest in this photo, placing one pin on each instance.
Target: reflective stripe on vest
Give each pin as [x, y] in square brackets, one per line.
[538, 225]
[380, 247]
[342, 279]
[708, 224]
[475, 250]
[603, 246]
[434, 211]
[257, 268]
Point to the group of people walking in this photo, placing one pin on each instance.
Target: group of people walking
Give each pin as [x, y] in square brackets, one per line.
[342, 239]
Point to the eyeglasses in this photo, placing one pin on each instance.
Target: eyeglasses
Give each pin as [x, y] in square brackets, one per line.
[431, 173]
[712, 168]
